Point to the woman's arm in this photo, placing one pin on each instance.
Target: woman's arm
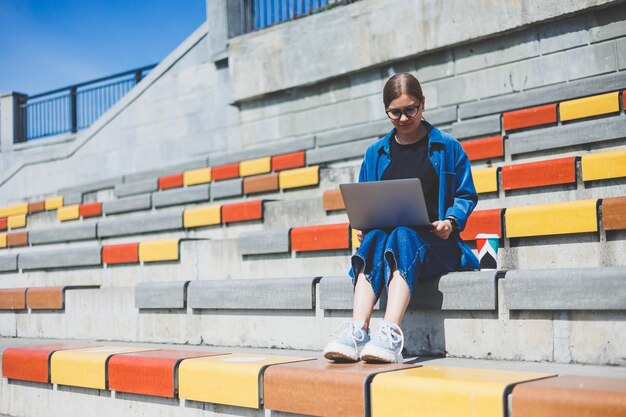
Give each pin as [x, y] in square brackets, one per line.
[465, 196]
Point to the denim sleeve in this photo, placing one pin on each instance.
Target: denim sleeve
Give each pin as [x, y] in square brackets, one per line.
[465, 196]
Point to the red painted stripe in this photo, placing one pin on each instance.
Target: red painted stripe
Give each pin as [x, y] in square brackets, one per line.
[239, 212]
[288, 161]
[30, 363]
[90, 210]
[325, 237]
[3, 223]
[127, 253]
[147, 373]
[483, 221]
[171, 181]
[225, 172]
[535, 116]
[539, 174]
[492, 147]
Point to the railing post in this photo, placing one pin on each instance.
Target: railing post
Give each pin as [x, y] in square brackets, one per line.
[74, 109]
[12, 129]
[138, 76]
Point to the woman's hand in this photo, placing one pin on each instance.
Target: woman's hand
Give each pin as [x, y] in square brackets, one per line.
[442, 229]
[359, 235]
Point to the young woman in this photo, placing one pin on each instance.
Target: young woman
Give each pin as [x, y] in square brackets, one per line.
[397, 258]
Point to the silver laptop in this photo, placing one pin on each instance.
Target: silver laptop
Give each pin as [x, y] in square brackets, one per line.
[385, 204]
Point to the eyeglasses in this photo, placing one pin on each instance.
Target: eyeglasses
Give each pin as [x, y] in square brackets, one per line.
[409, 111]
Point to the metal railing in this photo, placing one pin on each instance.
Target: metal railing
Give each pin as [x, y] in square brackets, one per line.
[73, 108]
[259, 14]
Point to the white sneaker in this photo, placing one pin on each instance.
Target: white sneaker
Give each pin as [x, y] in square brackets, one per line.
[348, 343]
[385, 346]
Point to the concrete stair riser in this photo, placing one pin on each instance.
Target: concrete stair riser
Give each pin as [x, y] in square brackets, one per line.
[591, 337]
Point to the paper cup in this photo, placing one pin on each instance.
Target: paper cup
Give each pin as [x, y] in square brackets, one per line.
[487, 245]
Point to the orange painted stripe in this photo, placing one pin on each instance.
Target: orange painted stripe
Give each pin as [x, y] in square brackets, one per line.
[483, 221]
[535, 116]
[225, 172]
[171, 181]
[90, 210]
[492, 147]
[333, 200]
[45, 298]
[325, 237]
[539, 174]
[17, 239]
[3, 223]
[614, 213]
[240, 212]
[127, 253]
[13, 299]
[288, 161]
[37, 207]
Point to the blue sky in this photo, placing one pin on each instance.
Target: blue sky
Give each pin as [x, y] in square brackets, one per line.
[48, 44]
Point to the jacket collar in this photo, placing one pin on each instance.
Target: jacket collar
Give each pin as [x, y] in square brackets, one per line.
[434, 135]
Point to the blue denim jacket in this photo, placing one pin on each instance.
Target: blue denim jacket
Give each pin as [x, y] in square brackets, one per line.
[457, 194]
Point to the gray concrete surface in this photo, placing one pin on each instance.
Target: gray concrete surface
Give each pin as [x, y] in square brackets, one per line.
[227, 188]
[65, 233]
[138, 224]
[180, 196]
[161, 295]
[585, 132]
[264, 242]
[253, 294]
[136, 187]
[8, 263]
[125, 205]
[566, 289]
[367, 23]
[74, 258]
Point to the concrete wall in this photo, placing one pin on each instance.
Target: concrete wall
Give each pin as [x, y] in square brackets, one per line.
[374, 32]
[570, 49]
[184, 108]
[179, 110]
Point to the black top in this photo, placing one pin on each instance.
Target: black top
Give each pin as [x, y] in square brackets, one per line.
[412, 161]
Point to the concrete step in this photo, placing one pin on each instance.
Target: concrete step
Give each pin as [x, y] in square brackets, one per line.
[62, 400]
[585, 333]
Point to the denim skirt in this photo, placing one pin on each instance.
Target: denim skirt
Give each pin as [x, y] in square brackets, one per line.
[415, 253]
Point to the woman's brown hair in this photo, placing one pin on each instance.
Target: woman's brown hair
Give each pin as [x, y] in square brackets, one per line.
[399, 84]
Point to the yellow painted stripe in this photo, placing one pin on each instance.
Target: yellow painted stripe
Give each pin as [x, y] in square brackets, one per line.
[444, 391]
[14, 210]
[355, 240]
[17, 221]
[552, 219]
[68, 213]
[197, 176]
[228, 379]
[3, 240]
[485, 180]
[589, 106]
[604, 165]
[53, 203]
[159, 250]
[84, 367]
[203, 216]
[300, 177]
[255, 166]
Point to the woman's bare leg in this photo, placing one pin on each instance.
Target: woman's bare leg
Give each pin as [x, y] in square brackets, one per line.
[398, 298]
[364, 300]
